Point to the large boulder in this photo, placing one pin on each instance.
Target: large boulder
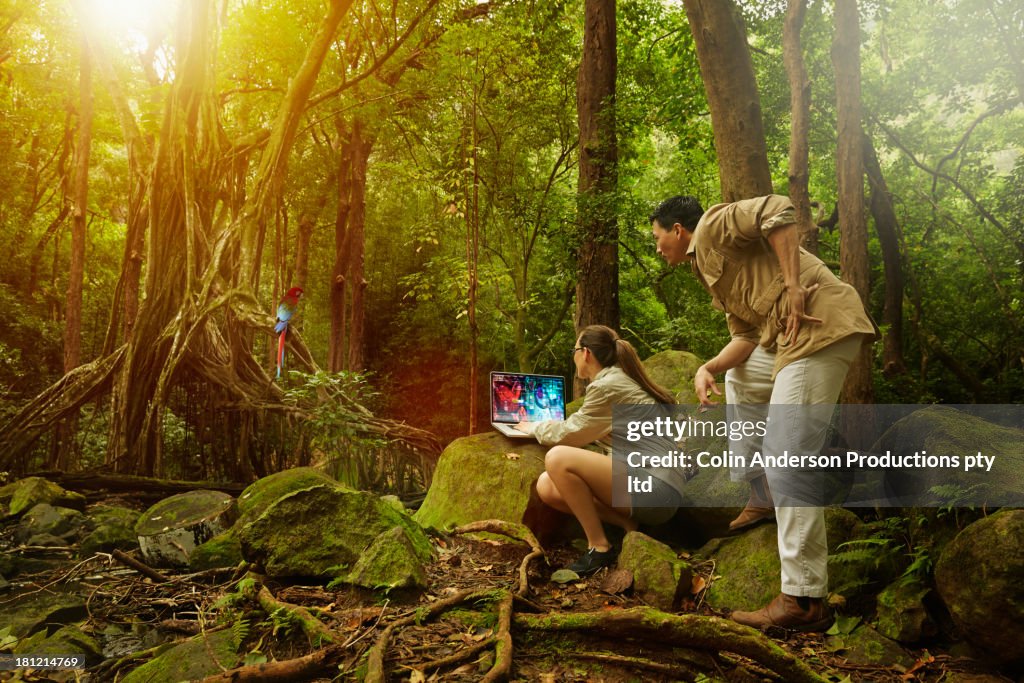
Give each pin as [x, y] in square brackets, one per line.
[946, 431]
[978, 577]
[488, 476]
[389, 562]
[674, 370]
[660, 577]
[170, 530]
[223, 550]
[864, 646]
[263, 493]
[748, 563]
[204, 655]
[66, 640]
[45, 524]
[320, 531]
[21, 496]
[112, 528]
[902, 614]
[32, 612]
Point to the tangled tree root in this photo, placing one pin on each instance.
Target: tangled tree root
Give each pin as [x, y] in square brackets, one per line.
[682, 630]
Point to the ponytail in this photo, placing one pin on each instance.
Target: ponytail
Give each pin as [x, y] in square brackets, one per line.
[630, 363]
[610, 349]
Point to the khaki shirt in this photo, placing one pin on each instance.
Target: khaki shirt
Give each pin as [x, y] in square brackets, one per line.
[734, 261]
[593, 421]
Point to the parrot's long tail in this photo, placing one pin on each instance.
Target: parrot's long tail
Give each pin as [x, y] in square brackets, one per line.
[280, 351]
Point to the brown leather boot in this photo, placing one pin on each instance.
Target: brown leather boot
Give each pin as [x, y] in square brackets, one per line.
[785, 612]
[760, 507]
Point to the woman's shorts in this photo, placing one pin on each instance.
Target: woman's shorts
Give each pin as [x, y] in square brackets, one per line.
[658, 506]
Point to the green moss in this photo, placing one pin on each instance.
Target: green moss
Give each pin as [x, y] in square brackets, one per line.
[114, 528]
[191, 660]
[390, 562]
[223, 550]
[68, 640]
[674, 370]
[26, 493]
[978, 578]
[185, 509]
[475, 480]
[658, 575]
[470, 619]
[262, 493]
[312, 532]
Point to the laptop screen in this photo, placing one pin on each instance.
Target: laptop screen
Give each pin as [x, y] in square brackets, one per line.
[517, 397]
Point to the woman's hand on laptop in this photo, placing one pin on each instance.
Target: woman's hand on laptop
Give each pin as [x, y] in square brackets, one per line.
[525, 427]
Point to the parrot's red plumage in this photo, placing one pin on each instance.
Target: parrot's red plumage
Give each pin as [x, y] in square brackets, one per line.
[285, 310]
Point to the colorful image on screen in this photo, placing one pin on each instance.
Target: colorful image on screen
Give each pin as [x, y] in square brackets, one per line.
[526, 398]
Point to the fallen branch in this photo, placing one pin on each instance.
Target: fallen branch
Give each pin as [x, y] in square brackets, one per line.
[141, 568]
[686, 630]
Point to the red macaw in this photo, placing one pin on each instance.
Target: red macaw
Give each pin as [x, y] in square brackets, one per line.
[285, 310]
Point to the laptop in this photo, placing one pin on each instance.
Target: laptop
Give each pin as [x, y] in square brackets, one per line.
[519, 397]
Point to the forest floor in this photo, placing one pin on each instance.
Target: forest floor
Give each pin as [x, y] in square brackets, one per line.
[458, 643]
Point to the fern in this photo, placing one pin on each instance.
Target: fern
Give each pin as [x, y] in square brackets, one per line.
[240, 630]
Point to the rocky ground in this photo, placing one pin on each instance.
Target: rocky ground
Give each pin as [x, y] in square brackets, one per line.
[192, 625]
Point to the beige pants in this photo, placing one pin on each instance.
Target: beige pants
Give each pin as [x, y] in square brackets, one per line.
[812, 381]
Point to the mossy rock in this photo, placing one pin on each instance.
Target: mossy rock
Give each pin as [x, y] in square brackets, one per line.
[67, 640]
[314, 532]
[45, 520]
[748, 567]
[748, 563]
[487, 476]
[24, 494]
[902, 615]
[113, 528]
[674, 370]
[223, 550]
[660, 578]
[262, 493]
[942, 430]
[199, 657]
[390, 562]
[31, 612]
[867, 647]
[978, 577]
[172, 529]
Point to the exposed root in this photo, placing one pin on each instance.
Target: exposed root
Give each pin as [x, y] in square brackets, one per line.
[686, 630]
[503, 643]
[375, 660]
[519, 532]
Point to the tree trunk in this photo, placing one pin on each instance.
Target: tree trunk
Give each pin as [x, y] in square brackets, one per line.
[850, 175]
[887, 228]
[728, 75]
[800, 114]
[76, 269]
[357, 248]
[597, 289]
[472, 260]
[125, 308]
[336, 356]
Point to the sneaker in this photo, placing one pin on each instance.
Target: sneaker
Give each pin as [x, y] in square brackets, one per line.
[593, 560]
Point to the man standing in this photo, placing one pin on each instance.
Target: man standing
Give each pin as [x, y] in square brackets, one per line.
[795, 329]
